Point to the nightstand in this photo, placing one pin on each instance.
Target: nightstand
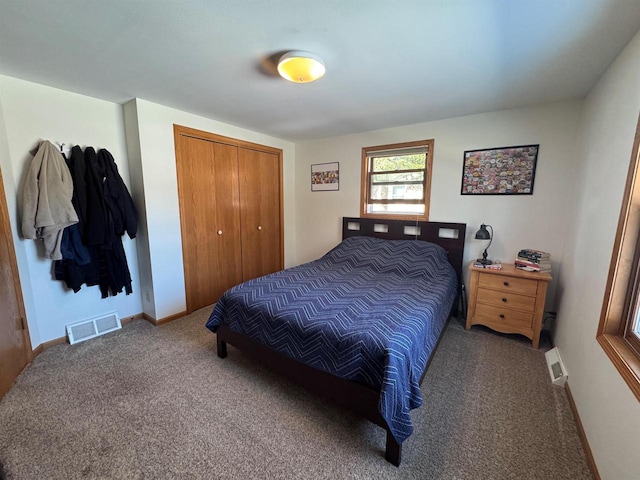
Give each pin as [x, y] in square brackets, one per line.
[508, 300]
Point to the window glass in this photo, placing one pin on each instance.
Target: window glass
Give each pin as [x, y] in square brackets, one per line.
[396, 179]
[400, 162]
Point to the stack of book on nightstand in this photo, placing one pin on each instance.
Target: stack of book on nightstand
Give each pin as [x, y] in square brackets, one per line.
[533, 260]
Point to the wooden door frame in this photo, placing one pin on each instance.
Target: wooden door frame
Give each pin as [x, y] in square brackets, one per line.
[26, 337]
[180, 130]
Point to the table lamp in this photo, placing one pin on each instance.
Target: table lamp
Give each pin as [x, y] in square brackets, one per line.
[483, 234]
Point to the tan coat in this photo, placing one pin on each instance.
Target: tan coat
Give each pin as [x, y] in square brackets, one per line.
[47, 207]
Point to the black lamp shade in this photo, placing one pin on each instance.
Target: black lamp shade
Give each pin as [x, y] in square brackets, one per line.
[483, 233]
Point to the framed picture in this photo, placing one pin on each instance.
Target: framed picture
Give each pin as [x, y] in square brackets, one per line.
[325, 176]
[499, 171]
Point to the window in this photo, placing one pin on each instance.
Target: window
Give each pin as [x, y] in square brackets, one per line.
[619, 329]
[631, 313]
[396, 180]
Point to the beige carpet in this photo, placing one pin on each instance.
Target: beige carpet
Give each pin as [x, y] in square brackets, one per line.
[156, 402]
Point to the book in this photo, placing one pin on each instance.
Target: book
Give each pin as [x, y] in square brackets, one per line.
[534, 254]
[532, 266]
[493, 266]
[533, 259]
[527, 269]
[534, 263]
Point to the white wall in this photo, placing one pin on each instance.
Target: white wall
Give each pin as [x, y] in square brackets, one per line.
[609, 411]
[32, 113]
[519, 221]
[12, 206]
[158, 168]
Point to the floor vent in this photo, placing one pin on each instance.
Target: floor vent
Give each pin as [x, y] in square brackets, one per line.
[93, 327]
[557, 372]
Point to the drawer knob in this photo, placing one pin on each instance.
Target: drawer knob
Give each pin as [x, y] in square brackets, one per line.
[504, 299]
[502, 315]
[506, 284]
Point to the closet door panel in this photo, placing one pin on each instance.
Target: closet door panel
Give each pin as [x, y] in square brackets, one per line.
[260, 206]
[225, 233]
[207, 178]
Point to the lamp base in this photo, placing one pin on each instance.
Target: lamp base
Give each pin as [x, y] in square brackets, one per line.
[484, 261]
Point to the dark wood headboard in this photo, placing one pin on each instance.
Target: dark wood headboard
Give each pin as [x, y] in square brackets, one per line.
[449, 236]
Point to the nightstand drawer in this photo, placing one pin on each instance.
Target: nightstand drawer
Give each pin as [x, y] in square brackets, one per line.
[510, 284]
[506, 299]
[490, 315]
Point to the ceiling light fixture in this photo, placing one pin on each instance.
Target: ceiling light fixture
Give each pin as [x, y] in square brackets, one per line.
[300, 67]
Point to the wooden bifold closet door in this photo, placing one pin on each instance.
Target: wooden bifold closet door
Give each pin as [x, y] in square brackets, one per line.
[259, 212]
[230, 195]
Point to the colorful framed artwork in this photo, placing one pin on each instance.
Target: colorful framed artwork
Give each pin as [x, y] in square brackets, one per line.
[499, 171]
[325, 177]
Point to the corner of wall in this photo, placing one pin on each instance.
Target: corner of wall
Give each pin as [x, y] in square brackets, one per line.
[132, 137]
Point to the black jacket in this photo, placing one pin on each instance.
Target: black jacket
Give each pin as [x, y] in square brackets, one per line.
[117, 198]
[96, 228]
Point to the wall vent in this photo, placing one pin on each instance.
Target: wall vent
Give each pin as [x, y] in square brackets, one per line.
[557, 372]
[93, 327]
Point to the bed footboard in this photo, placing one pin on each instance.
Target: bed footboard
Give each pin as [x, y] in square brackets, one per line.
[356, 397]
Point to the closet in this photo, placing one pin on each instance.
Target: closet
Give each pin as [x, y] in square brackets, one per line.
[230, 195]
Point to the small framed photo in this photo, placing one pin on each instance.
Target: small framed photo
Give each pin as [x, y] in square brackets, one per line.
[325, 177]
[499, 171]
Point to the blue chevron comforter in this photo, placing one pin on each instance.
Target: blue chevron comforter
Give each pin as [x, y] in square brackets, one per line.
[370, 310]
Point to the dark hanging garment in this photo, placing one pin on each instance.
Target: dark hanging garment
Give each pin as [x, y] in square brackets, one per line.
[78, 169]
[117, 198]
[72, 247]
[114, 270]
[94, 254]
[75, 275]
[96, 221]
[120, 216]
[80, 262]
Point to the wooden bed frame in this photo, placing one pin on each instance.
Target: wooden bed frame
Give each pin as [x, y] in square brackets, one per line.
[361, 399]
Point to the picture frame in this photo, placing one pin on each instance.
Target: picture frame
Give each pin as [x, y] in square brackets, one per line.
[325, 177]
[499, 171]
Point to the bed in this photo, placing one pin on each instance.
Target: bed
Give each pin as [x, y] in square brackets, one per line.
[359, 325]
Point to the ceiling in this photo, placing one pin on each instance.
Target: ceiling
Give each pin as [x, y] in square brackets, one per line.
[389, 63]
